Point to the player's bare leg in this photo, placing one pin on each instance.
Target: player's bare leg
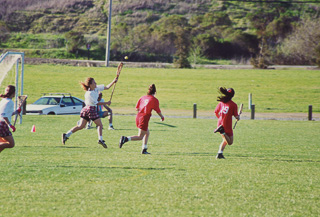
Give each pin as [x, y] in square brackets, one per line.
[8, 143]
[99, 129]
[82, 124]
[142, 135]
[226, 140]
[110, 117]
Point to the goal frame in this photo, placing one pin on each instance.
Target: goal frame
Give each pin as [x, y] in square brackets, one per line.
[17, 74]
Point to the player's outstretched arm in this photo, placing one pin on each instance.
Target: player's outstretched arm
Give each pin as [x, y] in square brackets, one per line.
[104, 103]
[112, 83]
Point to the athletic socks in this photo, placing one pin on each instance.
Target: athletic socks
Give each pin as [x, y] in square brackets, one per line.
[68, 134]
[100, 138]
[129, 138]
[144, 147]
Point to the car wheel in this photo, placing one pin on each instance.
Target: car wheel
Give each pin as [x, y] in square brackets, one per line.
[51, 113]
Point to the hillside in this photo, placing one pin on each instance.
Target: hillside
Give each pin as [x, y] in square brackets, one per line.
[149, 30]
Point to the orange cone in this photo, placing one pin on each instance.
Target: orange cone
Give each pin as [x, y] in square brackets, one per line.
[33, 129]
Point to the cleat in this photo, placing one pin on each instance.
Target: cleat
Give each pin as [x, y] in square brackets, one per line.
[144, 151]
[123, 140]
[110, 128]
[88, 127]
[102, 142]
[220, 156]
[64, 138]
[219, 129]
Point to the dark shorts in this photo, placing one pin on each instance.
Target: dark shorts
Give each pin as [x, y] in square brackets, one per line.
[4, 129]
[142, 121]
[101, 113]
[89, 113]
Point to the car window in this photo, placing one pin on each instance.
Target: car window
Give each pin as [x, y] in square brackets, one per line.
[67, 101]
[77, 102]
[42, 101]
[54, 101]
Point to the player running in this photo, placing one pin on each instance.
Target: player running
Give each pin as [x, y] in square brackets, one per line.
[224, 111]
[6, 111]
[144, 106]
[89, 112]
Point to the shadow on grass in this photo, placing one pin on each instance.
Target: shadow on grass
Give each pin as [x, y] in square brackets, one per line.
[186, 154]
[113, 167]
[168, 125]
[279, 159]
[59, 146]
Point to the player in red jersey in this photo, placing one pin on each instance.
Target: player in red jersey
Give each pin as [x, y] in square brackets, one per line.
[144, 106]
[224, 111]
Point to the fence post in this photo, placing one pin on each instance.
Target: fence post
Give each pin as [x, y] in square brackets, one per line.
[250, 101]
[195, 110]
[253, 108]
[310, 113]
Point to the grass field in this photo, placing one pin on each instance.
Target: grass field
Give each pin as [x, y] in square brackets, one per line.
[178, 89]
[273, 169]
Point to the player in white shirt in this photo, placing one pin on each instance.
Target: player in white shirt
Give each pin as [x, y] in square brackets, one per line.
[89, 112]
[6, 111]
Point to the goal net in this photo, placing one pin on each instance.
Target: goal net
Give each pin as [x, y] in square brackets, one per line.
[11, 73]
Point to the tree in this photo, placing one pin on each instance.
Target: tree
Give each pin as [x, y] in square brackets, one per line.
[260, 19]
[304, 43]
[182, 44]
[4, 32]
[74, 41]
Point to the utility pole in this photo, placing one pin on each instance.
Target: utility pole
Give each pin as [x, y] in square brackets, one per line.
[109, 33]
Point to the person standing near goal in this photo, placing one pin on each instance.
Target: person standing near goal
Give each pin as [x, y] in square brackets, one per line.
[224, 111]
[144, 106]
[6, 111]
[103, 114]
[89, 112]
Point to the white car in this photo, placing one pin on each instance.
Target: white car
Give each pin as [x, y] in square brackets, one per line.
[55, 104]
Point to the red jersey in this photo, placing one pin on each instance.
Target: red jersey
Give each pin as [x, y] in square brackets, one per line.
[146, 103]
[224, 113]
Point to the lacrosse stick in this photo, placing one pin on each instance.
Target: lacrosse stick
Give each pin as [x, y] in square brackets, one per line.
[117, 76]
[240, 111]
[22, 100]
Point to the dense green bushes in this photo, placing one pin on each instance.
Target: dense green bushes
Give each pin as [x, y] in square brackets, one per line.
[169, 31]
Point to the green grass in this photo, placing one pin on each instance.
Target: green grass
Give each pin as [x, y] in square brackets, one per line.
[271, 170]
[178, 89]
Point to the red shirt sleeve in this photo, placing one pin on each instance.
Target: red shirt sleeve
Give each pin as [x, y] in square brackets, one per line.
[138, 103]
[235, 112]
[217, 110]
[156, 105]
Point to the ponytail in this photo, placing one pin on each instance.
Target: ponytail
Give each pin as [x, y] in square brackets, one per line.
[227, 94]
[10, 89]
[86, 85]
[152, 89]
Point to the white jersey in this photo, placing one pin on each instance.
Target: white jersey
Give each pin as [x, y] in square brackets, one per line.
[6, 108]
[91, 96]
